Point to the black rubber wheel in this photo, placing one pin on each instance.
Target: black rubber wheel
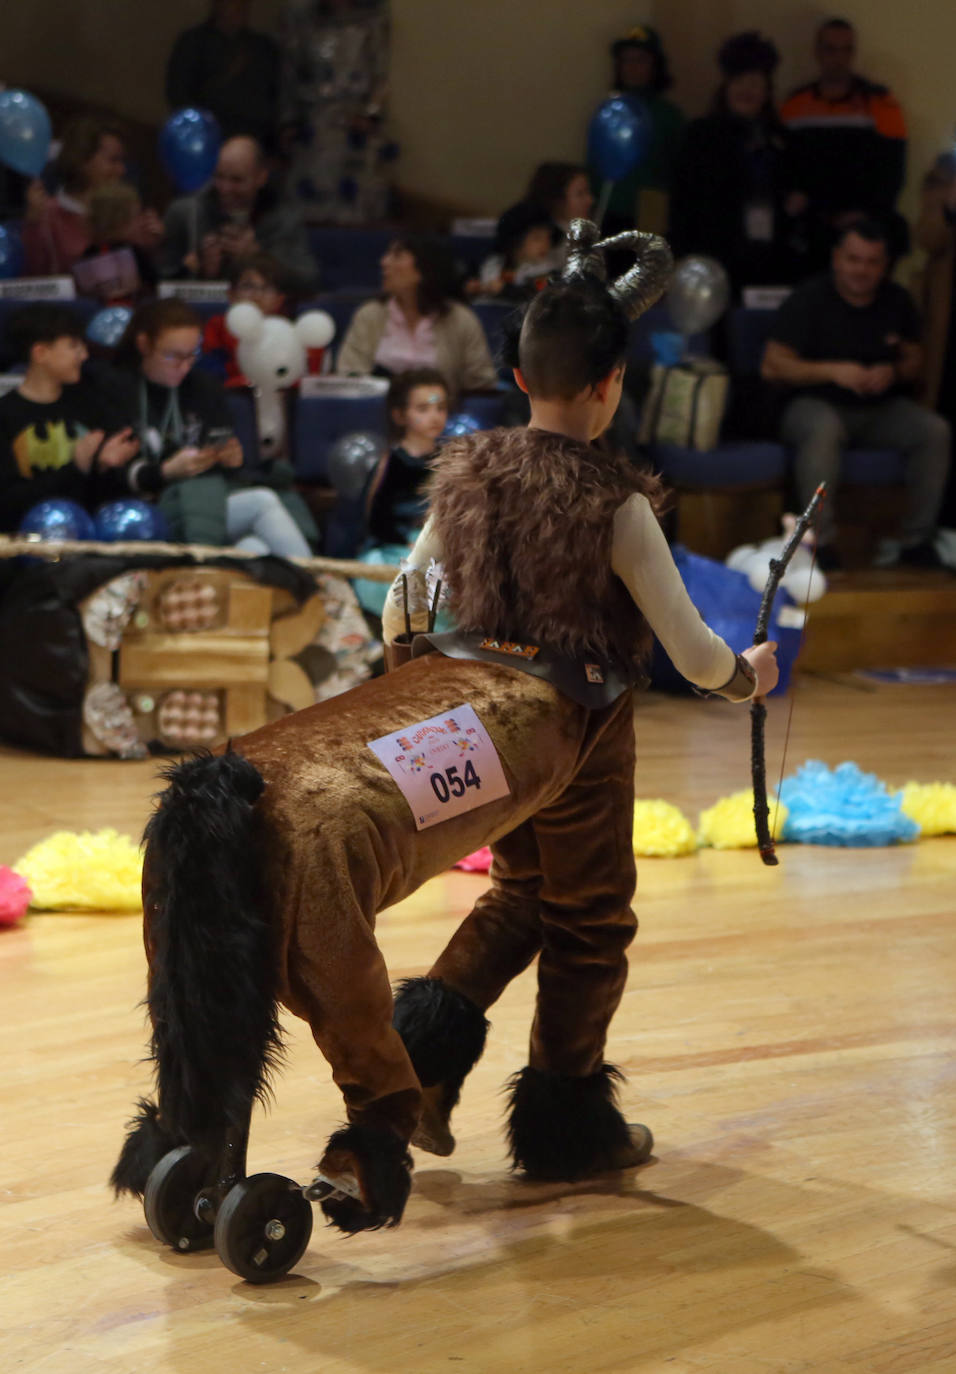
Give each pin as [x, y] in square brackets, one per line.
[171, 1191]
[263, 1227]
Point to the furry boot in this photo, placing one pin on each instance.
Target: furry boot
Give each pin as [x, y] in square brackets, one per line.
[564, 1128]
[444, 1034]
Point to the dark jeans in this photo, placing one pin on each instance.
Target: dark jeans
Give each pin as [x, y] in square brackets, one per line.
[818, 432]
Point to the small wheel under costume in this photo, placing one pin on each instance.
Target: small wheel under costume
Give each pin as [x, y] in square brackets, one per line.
[263, 1227]
[171, 1191]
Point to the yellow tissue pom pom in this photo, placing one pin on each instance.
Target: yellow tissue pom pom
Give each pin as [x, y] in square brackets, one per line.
[84, 872]
[932, 805]
[662, 830]
[729, 823]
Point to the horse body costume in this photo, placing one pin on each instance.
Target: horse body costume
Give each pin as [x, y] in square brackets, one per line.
[265, 868]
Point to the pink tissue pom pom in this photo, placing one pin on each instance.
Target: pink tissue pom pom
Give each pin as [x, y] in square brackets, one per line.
[15, 897]
[479, 862]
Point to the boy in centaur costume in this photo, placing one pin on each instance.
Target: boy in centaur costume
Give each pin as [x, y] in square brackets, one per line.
[267, 865]
[546, 542]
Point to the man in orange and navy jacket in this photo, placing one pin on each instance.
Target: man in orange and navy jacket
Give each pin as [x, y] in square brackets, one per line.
[848, 145]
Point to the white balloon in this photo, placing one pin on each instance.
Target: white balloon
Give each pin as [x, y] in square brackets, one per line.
[315, 329]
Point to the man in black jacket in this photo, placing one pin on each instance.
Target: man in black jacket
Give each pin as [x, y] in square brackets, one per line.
[848, 343]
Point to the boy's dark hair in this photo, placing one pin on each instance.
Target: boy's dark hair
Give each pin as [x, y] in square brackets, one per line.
[570, 336]
[401, 387]
[42, 323]
[268, 267]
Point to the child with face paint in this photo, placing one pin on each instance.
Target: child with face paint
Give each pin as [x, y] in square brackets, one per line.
[395, 503]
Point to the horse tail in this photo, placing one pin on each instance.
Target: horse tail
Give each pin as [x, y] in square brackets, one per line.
[212, 950]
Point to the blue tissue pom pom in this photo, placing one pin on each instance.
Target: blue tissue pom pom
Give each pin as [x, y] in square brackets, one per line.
[844, 806]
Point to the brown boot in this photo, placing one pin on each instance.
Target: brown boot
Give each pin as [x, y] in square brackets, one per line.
[637, 1150]
[433, 1132]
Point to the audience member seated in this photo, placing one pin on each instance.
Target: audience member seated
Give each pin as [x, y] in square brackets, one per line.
[227, 68]
[848, 138]
[848, 344]
[417, 323]
[731, 198]
[115, 268]
[395, 500]
[563, 190]
[642, 72]
[190, 460]
[936, 235]
[237, 215]
[258, 280]
[53, 432]
[525, 253]
[56, 229]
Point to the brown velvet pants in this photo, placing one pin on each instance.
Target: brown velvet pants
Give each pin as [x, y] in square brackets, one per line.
[562, 884]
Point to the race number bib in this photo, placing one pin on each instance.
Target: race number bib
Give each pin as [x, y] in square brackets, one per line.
[443, 766]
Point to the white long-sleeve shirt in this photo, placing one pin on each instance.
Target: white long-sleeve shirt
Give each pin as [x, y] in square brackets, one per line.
[642, 560]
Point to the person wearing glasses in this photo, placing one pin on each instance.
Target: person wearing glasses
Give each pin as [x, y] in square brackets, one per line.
[190, 461]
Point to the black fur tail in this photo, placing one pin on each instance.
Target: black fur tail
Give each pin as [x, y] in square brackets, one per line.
[212, 988]
[146, 1143]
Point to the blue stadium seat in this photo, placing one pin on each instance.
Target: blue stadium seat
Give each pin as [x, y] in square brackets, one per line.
[318, 421]
[349, 257]
[242, 408]
[744, 464]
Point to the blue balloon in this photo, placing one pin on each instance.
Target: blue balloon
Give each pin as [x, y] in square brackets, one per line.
[618, 137]
[57, 518]
[11, 252]
[461, 424]
[25, 133]
[129, 519]
[108, 326]
[189, 146]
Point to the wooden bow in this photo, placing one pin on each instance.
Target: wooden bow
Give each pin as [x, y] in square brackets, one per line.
[758, 708]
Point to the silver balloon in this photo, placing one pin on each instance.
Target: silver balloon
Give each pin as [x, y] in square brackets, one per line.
[699, 294]
[350, 460]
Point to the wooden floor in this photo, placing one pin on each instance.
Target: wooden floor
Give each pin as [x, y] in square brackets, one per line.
[789, 1035]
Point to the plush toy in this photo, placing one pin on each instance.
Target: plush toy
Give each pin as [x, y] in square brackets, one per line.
[273, 355]
[803, 581]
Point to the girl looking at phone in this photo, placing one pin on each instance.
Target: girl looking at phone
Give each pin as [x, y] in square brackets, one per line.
[191, 461]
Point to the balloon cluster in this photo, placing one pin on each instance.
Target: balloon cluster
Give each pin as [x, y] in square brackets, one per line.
[58, 519]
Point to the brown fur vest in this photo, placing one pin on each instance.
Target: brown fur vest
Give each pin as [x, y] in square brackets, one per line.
[525, 520]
